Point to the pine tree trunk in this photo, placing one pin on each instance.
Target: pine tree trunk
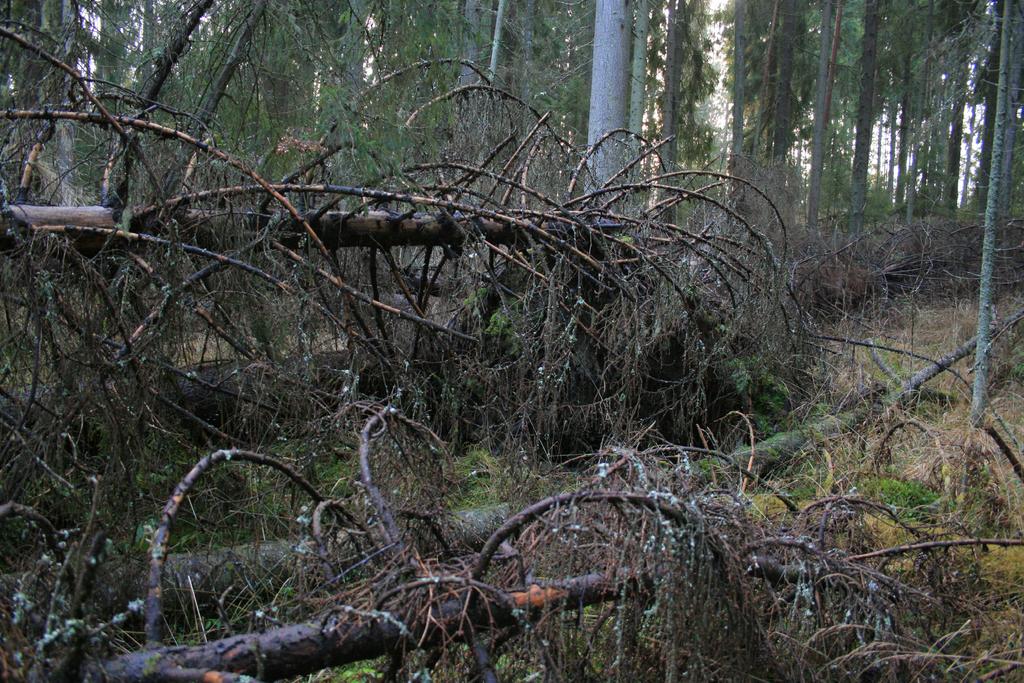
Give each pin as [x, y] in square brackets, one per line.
[979, 397]
[608, 82]
[820, 124]
[865, 116]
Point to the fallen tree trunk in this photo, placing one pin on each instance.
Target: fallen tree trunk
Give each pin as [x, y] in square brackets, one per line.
[205, 575]
[778, 449]
[342, 638]
[337, 229]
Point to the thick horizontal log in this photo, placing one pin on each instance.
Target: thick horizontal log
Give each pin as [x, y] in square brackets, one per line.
[343, 637]
[337, 229]
[205, 575]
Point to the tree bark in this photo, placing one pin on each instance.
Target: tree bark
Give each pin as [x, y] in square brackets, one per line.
[1013, 99]
[638, 69]
[499, 23]
[956, 141]
[298, 649]
[529, 16]
[820, 124]
[238, 49]
[904, 132]
[989, 91]
[865, 117]
[608, 83]
[474, 28]
[982, 358]
[337, 229]
[971, 134]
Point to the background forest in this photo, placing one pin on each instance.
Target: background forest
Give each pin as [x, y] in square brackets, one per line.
[511, 340]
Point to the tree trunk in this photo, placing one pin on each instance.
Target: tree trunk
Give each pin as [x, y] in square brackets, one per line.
[238, 50]
[608, 82]
[820, 124]
[956, 140]
[638, 77]
[739, 76]
[526, 53]
[987, 84]
[782, 139]
[901, 166]
[968, 154]
[1013, 100]
[865, 116]
[890, 175]
[766, 89]
[982, 357]
[499, 22]
[474, 18]
[922, 116]
[670, 103]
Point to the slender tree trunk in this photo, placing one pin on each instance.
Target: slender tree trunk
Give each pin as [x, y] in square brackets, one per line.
[638, 70]
[865, 116]
[921, 151]
[65, 156]
[608, 81]
[238, 50]
[820, 124]
[670, 104]
[879, 164]
[1016, 61]
[968, 154]
[766, 77]
[782, 139]
[739, 76]
[891, 173]
[148, 27]
[988, 87]
[832, 60]
[956, 141]
[529, 16]
[901, 166]
[474, 18]
[499, 22]
[979, 397]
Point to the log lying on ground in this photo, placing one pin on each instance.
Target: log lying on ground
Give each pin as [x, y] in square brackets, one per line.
[336, 229]
[205, 575]
[778, 449]
[342, 638]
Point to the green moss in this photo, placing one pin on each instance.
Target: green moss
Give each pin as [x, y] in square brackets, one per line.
[899, 493]
[478, 474]
[501, 331]
[767, 394]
